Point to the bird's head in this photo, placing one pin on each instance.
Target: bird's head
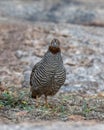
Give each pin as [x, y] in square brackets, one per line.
[54, 46]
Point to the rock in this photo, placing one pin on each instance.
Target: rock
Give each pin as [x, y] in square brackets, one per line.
[27, 75]
[19, 54]
[26, 81]
[27, 68]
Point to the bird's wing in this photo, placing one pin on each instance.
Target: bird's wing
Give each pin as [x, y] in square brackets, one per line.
[36, 66]
[33, 71]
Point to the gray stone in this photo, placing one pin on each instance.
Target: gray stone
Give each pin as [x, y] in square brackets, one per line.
[27, 75]
[26, 81]
[19, 54]
[54, 126]
[27, 68]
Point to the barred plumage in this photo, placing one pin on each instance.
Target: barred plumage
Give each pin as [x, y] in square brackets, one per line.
[49, 74]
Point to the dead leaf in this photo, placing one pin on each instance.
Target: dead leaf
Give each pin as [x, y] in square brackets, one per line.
[101, 94]
[76, 117]
[2, 88]
[21, 113]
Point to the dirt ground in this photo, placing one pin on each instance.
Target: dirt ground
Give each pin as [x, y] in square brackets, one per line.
[16, 106]
[24, 39]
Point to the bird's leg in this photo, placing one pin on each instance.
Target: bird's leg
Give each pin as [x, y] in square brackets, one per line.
[37, 101]
[46, 103]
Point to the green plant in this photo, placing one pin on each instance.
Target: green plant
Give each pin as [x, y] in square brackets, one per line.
[85, 108]
[11, 99]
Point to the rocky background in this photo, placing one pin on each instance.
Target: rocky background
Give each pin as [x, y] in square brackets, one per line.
[68, 11]
[26, 28]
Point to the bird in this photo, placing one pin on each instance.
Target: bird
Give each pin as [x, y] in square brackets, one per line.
[49, 74]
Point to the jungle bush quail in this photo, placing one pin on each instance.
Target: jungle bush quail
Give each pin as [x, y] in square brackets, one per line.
[49, 74]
